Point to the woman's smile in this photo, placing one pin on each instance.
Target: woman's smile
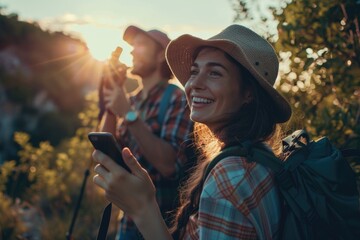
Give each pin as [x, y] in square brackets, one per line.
[201, 101]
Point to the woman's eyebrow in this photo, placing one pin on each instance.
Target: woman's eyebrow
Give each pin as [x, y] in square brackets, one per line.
[194, 65]
[215, 64]
[210, 64]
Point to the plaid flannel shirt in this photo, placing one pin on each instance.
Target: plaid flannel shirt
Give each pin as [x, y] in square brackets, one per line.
[176, 129]
[239, 201]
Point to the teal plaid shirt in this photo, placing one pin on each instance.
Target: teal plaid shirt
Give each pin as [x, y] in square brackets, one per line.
[175, 130]
[239, 200]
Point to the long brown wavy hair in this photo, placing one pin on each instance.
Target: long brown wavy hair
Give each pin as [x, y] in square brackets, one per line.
[254, 122]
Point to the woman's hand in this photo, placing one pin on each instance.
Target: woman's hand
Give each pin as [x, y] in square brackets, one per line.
[131, 192]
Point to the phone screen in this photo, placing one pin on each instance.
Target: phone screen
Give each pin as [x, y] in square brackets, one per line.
[106, 143]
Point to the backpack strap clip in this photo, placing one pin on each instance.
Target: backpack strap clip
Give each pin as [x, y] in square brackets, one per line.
[296, 140]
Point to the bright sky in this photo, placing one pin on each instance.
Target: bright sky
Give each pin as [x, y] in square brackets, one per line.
[101, 23]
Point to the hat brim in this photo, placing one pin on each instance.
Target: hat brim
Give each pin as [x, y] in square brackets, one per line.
[180, 57]
[132, 31]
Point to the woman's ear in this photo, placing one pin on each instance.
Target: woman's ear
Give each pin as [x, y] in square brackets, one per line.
[248, 97]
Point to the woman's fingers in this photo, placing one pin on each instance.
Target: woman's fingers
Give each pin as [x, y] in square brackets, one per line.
[135, 167]
[132, 163]
[100, 181]
[127, 190]
[99, 178]
[107, 170]
[102, 172]
[99, 169]
[106, 162]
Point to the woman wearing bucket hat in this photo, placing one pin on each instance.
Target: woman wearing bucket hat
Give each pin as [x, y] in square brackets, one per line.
[228, 81]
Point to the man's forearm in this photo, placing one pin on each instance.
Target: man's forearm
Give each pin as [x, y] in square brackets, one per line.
[157, 151]
[108, 123]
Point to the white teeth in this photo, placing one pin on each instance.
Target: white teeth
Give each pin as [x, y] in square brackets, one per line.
[201, 100]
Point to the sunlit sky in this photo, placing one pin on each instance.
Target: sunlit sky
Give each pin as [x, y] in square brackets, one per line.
[101, 23]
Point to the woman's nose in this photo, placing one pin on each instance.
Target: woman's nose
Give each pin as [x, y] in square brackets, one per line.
[198, 81]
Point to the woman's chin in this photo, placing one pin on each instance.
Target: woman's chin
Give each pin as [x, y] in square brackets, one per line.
[198, 118]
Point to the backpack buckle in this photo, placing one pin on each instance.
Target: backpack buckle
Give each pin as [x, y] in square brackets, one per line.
[298, 139]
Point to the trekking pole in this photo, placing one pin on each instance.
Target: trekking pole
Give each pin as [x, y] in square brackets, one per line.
[113, 61]
[78, 203]
[77, 207]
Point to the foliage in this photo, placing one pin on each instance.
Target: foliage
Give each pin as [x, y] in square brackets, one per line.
[43, 60]
[259, 15]
[319, 46]
[321, 40]
[54, 176]
[10, 224]
[43, 79]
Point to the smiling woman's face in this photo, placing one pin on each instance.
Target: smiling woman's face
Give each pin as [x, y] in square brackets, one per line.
[214, 90]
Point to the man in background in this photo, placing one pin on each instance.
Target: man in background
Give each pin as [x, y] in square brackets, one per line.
[155, 136]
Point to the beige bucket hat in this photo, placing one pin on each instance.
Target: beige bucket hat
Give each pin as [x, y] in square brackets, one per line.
[245, 46]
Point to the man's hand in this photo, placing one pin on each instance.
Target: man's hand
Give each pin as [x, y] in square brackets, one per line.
[116, 100]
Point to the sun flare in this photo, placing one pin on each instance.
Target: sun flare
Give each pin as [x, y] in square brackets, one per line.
[102, 45]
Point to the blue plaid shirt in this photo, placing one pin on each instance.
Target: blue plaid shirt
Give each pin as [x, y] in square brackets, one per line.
[239, 200]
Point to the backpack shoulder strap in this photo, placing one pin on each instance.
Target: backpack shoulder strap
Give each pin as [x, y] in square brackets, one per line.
[165, 100]
[266, 158]
[256, 154]
[231, 151]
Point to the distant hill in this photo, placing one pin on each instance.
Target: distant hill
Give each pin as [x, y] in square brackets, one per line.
[44, 77]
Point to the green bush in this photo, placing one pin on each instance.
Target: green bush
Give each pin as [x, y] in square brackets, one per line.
[53, 179]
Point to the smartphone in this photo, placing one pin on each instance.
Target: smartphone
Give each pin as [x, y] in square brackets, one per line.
[106, 143]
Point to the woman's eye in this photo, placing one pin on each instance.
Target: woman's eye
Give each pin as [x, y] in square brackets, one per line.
[215, 73]
[193, 72]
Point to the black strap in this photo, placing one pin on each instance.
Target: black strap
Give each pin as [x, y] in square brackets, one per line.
[265, 158]
[253, 154]
[230, 151]
[104, 225]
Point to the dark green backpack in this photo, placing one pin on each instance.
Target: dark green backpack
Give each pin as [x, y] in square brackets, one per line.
[317, 185]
